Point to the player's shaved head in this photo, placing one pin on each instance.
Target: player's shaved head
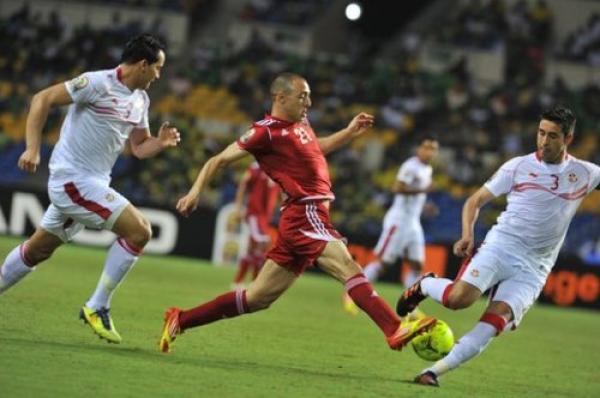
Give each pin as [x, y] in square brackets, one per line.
[284, 83]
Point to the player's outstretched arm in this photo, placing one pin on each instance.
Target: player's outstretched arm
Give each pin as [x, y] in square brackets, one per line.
[361, 123]
[41, 103]
[464, 246]
[231, 154]
[144, 145]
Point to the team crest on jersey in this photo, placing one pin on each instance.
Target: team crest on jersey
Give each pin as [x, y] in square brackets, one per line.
[79, 82]
[109, 197]
[475, 273]
[572, 177]
[246, 137]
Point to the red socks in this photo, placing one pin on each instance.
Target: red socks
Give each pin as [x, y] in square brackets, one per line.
[228, 305]
[359, 288]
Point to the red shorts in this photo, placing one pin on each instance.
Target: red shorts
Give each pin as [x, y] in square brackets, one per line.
[259, 227]
[304, 230]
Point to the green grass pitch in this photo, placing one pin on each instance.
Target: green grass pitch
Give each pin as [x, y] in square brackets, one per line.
[304, 346]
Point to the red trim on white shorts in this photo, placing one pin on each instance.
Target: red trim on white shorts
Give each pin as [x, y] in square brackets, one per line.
[386, 242]
[90, 205]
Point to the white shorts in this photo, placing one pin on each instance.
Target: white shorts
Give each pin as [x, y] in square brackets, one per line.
[400, 240]
[81, 203]
[509, 275]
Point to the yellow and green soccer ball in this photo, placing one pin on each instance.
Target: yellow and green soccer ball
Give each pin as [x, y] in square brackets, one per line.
[434, 344]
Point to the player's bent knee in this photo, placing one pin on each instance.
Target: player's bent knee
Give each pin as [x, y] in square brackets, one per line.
[141, 235]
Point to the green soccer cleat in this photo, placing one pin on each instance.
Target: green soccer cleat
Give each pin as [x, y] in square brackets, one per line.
[101, 323]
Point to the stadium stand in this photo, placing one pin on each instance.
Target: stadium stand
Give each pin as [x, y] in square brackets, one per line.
[214, 92]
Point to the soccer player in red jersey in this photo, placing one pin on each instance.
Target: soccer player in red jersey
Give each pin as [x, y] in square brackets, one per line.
[288, 150]
[261, 193]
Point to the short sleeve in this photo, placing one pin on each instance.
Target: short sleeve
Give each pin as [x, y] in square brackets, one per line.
[144, 124]
[594, 170]
[83, 88]
[502, 180]
[255, 140]
[406, 174]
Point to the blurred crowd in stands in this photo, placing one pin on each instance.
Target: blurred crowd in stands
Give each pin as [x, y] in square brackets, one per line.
[214, 94]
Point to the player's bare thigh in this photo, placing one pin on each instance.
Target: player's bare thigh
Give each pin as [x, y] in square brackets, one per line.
[337, 261]
[41, 245]
[133, 226]
[268, 286]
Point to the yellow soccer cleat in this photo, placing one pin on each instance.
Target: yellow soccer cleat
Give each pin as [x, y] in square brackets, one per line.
[101, 323]
[415, 315]
[170, 329]
[409, 330]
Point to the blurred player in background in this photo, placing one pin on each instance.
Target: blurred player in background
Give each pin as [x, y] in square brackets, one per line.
[402, 234]
[543, 192]
[107, 108]
[261, 194]
[288, 150]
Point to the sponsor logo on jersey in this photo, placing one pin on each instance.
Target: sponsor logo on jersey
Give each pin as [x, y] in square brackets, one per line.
[533, 175]
[109, 197]
[572, 177]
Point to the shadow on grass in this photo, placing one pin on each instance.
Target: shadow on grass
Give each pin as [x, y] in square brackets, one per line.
[137, 353]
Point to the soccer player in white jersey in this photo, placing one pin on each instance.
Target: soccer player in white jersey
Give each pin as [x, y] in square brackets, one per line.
[107, 109]
[543, 192]
[402, 234]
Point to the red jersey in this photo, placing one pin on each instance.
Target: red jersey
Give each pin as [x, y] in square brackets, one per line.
[262, 192]
[290, 154]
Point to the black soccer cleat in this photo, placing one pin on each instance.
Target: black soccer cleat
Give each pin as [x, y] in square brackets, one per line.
[411, 297]
[427, 379]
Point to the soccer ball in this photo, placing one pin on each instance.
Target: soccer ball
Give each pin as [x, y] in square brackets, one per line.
[434, 344]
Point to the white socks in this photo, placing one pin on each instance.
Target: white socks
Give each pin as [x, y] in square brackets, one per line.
[469, 346]
[372, 270]
[118, 262]
[13, 269]
[410, 277]
[435, 287]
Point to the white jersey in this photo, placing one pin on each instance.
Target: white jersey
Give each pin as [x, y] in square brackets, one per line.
[542, 199]
[97, 125]
[416, 175]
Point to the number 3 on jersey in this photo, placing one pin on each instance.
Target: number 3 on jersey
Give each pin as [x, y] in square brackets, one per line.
[555, 179]
[302, 135]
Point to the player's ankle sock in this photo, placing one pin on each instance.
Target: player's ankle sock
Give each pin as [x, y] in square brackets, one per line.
[120, 259]
[410, 277]
[363, 295]
[16, 266]
[469, 346]
[242, 269]
[436, 288]
[228, 305]
[372, 270]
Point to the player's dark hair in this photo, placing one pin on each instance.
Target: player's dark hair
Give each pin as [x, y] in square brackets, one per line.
[283, 83]
[142, 47]
[428, 137]
[562, 116]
